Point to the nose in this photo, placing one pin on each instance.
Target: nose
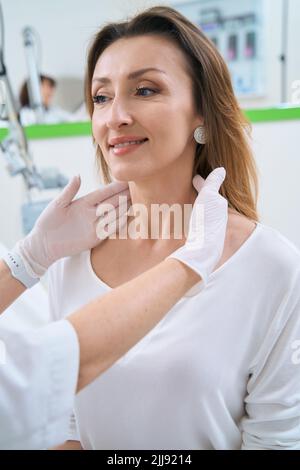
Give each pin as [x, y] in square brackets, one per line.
[118, 114]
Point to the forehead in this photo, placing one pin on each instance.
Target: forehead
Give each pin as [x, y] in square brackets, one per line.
[126, 55]
[47, 84]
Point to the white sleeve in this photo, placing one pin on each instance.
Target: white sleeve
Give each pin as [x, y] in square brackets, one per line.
[272, 405]
[55, 281]
[38, 376]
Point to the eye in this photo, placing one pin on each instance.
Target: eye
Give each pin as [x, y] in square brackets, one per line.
[97, 99]
[142, 89]
[100, 99]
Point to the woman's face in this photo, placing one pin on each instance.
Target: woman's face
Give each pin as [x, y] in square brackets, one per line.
[156, 105]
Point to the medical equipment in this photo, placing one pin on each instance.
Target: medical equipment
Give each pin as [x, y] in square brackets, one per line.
[15, 145]
[34, 83]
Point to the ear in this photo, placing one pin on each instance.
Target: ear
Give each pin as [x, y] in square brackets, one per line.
[199, 121]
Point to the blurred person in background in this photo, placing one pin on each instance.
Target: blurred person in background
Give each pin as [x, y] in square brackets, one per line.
[52, 114]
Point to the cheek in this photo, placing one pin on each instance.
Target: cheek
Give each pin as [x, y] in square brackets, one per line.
[168, 121]
[97, 127]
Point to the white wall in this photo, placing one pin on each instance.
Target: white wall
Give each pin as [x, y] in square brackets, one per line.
[273, 12]
[277, 152]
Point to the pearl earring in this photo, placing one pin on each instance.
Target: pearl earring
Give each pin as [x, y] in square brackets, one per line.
[199, 135]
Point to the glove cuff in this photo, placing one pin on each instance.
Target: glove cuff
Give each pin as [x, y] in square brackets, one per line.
[22, 248]
[19, 270]
[197, 288]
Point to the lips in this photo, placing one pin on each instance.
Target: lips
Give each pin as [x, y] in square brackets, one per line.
[126, 148]
[112, 141]
[127, 142]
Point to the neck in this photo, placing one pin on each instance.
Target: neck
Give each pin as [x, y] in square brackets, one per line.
[168, 187]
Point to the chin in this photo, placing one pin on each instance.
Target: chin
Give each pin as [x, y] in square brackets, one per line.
[127, 174]
[121, 175]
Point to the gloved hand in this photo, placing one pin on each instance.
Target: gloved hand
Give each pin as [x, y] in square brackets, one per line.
[207, 228]
[66, 227]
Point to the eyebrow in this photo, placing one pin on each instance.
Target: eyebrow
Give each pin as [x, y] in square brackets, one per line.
[131, 76]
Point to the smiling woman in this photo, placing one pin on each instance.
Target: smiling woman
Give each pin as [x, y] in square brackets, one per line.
[180, 73]
[167, 91]
[216, 373]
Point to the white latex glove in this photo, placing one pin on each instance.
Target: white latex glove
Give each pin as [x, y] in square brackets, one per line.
[207, 228]
[66, 227]
[110, 219]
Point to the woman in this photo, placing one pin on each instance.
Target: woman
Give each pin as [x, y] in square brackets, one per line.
[217, 371]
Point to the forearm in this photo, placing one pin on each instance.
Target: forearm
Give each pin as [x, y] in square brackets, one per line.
[69, 445]
[109, 326]
[10, 288]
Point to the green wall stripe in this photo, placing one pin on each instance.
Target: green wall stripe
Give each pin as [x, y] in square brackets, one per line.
[77, 129]
[48, 131]
[273, 114]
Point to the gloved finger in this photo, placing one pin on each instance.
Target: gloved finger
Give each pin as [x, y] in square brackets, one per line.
[113, 214]
[96, 197]
[215, 179]
[69, 192]
[103, 232]
[114, 201]
[198, 182]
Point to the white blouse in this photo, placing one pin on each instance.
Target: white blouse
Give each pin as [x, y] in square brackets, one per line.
[220, 371]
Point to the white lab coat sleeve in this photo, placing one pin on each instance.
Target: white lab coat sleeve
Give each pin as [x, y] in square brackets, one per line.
[55, 280]
[272, 404]
[38, 376]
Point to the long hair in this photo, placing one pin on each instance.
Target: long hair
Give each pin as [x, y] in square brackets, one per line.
[226, 127]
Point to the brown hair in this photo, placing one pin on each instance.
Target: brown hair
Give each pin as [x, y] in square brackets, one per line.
[24, 94]
[227, 129]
